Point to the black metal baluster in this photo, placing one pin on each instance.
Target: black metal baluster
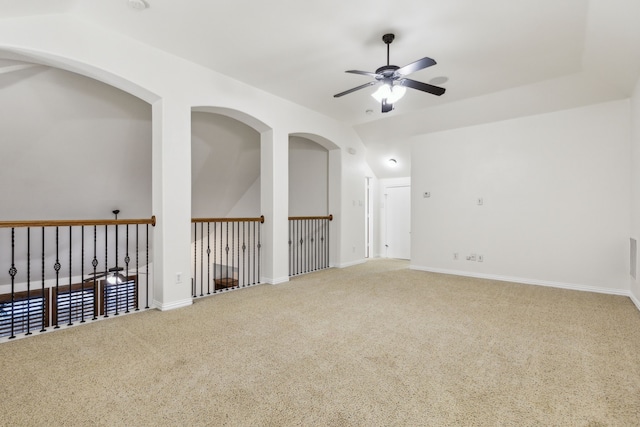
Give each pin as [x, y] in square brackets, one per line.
[215, 255]
[28, 281]
[126, 263]
[319, 244]
[326, 261]
[94, 263]
[254, 248]
[70, 274]
[305, 258]
[290, 255]
[307, 246]
[82, 273]
[259, 247]
[195, 257]
[208, 258]
[294, 245]
[44, 308]
[324, 242]
[226, 259]
[56, 267]
[137, 266]
[201, 259]
[116, 285]
[300, 252]
[12, 272]
[234, 244]
[147, 279]
[244, 255]
[315, 243]
[106, 270]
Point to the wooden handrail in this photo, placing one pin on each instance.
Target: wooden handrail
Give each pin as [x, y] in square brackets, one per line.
[329, 217]
[76, 222]
[259, 219]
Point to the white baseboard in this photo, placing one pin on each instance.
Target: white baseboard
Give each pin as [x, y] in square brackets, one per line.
[275, 281]
[352, 263]
[172, 305]
[635, 300]
[526, 281]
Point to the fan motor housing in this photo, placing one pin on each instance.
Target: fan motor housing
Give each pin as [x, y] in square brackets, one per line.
[387, 70]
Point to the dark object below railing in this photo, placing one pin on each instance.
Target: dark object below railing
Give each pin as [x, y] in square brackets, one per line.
[308, 243]
[28, 307]
[232, 254]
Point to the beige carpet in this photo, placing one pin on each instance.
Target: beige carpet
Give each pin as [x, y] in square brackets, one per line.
[370, 345]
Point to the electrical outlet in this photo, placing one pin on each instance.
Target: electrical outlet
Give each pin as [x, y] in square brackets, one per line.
[178, 278]
[480, 201]
[455, 256]
[480, 258]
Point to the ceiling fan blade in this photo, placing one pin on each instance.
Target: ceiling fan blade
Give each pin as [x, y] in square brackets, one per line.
[425, 87]
[364, 73]
[346, 92]
[95, 276]
[414, 66]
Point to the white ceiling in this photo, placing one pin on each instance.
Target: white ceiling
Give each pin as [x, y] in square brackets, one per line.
[501, 58]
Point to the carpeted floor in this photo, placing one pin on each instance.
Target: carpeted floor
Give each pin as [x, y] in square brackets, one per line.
[370, 345]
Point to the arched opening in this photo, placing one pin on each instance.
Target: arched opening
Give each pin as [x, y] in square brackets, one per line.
[311, 164]
[226, 200]
[74, 149]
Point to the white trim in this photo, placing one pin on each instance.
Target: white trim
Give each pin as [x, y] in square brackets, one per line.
[173, 305]
[352, 263]
[525, 281]
[634, 300]
[275, 281]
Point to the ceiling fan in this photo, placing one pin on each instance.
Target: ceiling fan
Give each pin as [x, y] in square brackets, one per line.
[393, 80]
[113, 275]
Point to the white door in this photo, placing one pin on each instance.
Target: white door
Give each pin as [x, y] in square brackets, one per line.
[398, 222]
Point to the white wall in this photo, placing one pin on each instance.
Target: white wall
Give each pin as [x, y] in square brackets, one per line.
[635, 184]
[556, 199]
[249, 204]
[225, 163]
[72, 148]
[308, 178]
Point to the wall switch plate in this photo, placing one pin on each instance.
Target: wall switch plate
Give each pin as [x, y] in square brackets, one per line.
[480, 258]
[480, 201]
[455, 256]
[471, 257]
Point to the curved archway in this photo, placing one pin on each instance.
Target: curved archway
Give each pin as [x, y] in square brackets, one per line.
[238, 115]
[320, 140]
[82, 68]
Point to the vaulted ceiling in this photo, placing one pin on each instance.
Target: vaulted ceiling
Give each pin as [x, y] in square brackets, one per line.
[498, 59]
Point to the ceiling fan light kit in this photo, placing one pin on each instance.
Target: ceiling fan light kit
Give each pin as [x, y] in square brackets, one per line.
[393, 81]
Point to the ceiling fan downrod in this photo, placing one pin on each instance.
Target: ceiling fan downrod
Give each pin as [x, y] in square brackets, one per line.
[387, 39]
